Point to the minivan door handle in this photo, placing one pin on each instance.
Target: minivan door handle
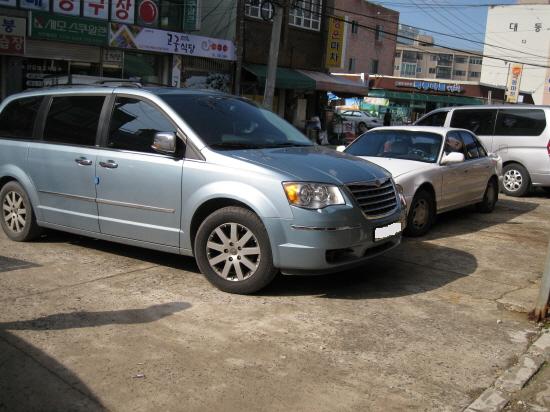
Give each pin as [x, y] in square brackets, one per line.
[109, 164]
[83, 161]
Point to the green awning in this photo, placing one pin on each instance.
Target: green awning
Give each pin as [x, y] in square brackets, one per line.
[422, 97]
[286, 78]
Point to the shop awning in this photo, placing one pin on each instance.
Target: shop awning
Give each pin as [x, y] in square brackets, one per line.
[286, 78]
[336, 84]
[422, 97]
[308, 80]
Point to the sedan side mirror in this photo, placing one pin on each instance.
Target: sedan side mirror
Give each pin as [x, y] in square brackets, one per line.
[164, 143]
[340, 148]
[452, 158]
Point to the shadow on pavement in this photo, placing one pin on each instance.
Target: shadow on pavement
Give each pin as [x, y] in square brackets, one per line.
[413, 268]
[30, 379]
[7, 264]
[73, 320]
[467, 220]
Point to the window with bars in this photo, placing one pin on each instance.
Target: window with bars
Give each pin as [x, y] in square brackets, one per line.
[258, 9]
[306, 14]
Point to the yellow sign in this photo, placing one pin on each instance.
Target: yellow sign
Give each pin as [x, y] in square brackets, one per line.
[514, 80]
[335, 42]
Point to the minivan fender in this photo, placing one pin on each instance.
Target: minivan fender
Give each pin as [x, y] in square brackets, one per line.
[246, 194]
[13, 172]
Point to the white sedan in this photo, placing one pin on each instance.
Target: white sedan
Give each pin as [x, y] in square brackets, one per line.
[438, 168]
[361, 120]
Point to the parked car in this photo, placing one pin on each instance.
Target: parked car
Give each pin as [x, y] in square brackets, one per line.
[438, 168]
[195, 173]
[519, 134]
[362, 121]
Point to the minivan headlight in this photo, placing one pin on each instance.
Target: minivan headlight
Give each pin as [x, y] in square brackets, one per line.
[313, 195]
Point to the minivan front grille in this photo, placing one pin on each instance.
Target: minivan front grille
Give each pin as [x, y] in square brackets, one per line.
[376, 198]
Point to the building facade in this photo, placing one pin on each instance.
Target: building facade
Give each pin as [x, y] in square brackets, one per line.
[424, 61]
[524, 32]
[48, 42]
[368, 46]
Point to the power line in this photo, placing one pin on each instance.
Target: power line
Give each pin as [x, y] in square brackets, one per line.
[380, 30]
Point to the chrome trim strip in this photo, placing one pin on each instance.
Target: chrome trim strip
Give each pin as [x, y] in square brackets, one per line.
[77, 197]
[134, 205]
[324, 229]
[110, 202]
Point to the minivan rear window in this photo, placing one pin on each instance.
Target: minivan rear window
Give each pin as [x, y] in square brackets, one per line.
[73, 120]
[520, 122]
[17, 118]
[478, 121]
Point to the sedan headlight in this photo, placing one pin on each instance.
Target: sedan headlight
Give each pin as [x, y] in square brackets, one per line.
[313, 195]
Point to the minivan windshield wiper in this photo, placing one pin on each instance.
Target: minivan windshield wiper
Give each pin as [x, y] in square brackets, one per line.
[288, 144]
[234, 145]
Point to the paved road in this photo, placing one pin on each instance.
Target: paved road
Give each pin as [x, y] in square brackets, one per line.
[87, 324]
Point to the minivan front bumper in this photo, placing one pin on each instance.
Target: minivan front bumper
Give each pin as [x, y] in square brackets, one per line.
[328, 240]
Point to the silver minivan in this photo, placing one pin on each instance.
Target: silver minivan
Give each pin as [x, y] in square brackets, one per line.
[519, 134]
[197, 173]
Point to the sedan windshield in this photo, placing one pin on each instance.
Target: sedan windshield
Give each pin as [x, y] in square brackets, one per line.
[398, 144]
[227, 122]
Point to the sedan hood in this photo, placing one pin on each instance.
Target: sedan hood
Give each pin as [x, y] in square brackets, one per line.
[397, 167]
[312, 164]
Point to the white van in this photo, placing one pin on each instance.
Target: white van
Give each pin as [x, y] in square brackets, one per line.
[519, 134]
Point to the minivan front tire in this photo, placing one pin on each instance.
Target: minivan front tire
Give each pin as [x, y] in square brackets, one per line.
[18, 219]
[516, 180]
[232, 250]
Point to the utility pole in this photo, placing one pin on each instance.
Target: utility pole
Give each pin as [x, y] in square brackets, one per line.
[240, 47]
[271, 75]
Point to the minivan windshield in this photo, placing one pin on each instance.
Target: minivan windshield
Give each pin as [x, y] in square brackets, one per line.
[226, 122]
[398, 144]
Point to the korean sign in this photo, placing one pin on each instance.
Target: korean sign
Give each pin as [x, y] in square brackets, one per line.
[96, 9]
[514, 80]
[72, 29]
[70, 7]
[335, 42]
[433, 86]
[12, 35]
[122, 11]
[35, 4]
[143, 38]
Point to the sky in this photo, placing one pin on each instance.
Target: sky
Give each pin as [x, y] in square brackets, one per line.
[449, 17]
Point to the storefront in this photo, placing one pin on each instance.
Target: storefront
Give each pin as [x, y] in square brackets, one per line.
[408, 99]
[48, 42]
[300, 95]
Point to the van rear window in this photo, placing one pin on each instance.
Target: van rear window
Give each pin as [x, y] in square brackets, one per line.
[520, 122]
[17, 118]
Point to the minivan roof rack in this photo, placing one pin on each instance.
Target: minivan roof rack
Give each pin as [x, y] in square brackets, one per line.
[122, 82]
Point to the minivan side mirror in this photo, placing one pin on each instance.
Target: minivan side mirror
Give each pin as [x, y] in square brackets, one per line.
[452, 158]
[164, 143]
[340, 148]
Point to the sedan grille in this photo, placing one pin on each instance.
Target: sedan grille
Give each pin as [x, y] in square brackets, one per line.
[375, 200]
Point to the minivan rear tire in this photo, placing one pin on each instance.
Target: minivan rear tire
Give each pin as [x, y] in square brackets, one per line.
[515, 173]
[17, 219]
[221, 239]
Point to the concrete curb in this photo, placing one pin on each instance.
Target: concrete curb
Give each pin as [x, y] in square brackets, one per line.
[495, 398]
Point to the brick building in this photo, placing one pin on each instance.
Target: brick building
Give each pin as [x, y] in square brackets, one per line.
[368, 48]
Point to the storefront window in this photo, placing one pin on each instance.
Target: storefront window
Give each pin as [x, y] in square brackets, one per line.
[171, 15]
[145, 68]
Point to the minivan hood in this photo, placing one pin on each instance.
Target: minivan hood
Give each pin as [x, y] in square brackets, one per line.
[397, 167]
[312, 164]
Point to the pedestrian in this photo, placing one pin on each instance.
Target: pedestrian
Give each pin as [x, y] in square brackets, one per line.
[387, 118]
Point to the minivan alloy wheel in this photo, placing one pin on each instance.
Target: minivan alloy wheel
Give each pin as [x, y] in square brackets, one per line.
[14, 211]
[233, 252]
[513, 180]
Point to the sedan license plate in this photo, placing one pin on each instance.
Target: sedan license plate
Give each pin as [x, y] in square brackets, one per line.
[387, 231]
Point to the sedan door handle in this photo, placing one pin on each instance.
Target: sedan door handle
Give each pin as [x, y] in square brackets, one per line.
[83, 161]
[110, 164]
